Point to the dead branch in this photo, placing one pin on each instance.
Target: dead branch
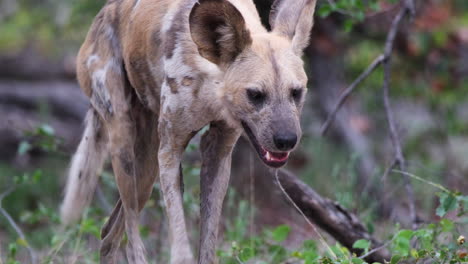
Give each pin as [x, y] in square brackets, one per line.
[407, 8]
[346, 93]
[30, 64]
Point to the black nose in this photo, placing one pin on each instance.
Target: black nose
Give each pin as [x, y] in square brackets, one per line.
[285, 141]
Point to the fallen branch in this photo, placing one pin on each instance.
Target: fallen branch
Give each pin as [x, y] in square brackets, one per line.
[331, 217]
[26, 105]
[328, 215]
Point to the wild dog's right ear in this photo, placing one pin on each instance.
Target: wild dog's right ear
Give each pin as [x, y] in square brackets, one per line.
[293, 19]
[219, 30]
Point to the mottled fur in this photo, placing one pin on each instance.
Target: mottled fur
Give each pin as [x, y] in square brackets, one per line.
[156, 72]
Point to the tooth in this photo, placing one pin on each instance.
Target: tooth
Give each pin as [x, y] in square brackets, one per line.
[268, 156]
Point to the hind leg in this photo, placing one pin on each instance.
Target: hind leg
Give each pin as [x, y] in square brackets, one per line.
[102, 76]
[111, 235]
[122, 141]
[146, 170]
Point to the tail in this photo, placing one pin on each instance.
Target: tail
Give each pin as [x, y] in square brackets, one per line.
[85, 168]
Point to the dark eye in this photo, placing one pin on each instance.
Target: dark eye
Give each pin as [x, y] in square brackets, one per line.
[256, 97]
[296, 94]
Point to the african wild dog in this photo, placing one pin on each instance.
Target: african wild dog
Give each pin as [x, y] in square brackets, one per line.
[156, 72]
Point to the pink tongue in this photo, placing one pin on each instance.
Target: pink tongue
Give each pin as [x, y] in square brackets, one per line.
[279, 156]
[272, 156]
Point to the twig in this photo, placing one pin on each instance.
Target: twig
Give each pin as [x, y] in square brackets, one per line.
[322, 240]
[239, 260]
[388, 170]
[17, 229]
[408, 8]
[433, 184]
[377, 248]
[348, 92]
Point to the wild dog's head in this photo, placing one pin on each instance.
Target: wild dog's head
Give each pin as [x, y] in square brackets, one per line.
[264, 78]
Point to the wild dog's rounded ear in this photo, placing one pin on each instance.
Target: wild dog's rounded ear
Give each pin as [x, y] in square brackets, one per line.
[293, 19]
[219, 30]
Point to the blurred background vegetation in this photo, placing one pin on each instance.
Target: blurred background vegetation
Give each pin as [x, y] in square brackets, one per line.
[41, 112]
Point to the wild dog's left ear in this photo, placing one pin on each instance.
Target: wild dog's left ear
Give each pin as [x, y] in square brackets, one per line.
[293, 19]
[219, 30]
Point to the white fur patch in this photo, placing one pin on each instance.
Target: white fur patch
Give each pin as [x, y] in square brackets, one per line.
[168, 18]
[136, 4]
[99, 80]
[93, 58]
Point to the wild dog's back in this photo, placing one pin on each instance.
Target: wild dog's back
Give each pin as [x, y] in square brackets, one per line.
[122, 35]
[137, 36]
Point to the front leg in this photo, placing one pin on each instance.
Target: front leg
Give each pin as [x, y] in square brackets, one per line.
[170, 154]
[216, 148]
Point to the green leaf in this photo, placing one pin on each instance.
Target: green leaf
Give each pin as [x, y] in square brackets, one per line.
[447, 225]
[280, 233]
[425, 237]
[12, 250]
[362, 244]
[325, 10]
[310, 245]
[395, 259]
[56, 239]
[278, 253]
[45, 130]
[348, 25]
[24, 147]
[37, 175]
[422, 253]
[310, 256]
[448, 202]
[463, 200]
[404, 233]
[402, 242]
[88, 225]
[246, 254]
[357, 261]
[22, 242]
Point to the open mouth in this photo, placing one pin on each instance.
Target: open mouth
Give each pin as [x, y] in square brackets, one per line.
[270, 158]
